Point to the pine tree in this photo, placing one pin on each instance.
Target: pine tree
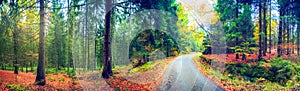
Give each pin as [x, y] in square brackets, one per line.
[40, 77]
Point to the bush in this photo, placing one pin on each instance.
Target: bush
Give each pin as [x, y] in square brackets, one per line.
[143, 68]
[51, 79]
[206, 60]
[282, 70]
[50, 70]
[62, 79]
[279, 70]
[15, 87]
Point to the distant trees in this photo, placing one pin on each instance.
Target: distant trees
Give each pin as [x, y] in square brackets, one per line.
[288, 35]
[264, 29]
[57, 38]
[238, 25]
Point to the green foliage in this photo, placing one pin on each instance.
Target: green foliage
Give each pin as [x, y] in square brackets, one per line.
[51, 79]
[253, 75]
[62, 79]
[151, 42]
[238, 25]
[15, 87]
[143, 68]
[278, 70]
[282, 70]
[116, 89]
[50, 70]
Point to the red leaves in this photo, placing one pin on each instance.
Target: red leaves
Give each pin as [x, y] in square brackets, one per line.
[27, 79]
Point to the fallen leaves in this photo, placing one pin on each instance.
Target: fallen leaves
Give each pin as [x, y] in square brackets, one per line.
[59, 82]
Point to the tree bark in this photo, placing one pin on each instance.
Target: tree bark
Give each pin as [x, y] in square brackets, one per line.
[298, 38]
[26, 67]
[279, 48]
[288, 34]
[40, 77]
[265, 28]
[260, 30]
[270, 28]
[69, 42]
[237, 16]
[107, 69]
[15, 38]
[88, 41]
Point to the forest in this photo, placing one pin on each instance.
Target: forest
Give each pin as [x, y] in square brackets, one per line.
[118, 45]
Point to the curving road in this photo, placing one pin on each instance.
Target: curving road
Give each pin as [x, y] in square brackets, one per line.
[183, 75]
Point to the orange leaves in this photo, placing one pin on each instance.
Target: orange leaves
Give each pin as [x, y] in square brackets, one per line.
[122, 84]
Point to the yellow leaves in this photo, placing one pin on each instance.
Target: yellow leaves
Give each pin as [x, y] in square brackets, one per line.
[256, 34]
[175, 53]
[214, 19]
[50, 14]
[148, 48]
[202, 7]
[193, 26]
[188, 49]
[274, 25]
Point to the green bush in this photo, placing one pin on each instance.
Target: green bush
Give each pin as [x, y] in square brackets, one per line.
[62, 79]
[15, 87]
[206, 60]
[50, 70]
[51, 79]
[282, 70]
[143, 68]
[279, 70]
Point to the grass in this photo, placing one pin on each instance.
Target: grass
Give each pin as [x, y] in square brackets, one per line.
[144, 67]
[235, 82]
[15, 87]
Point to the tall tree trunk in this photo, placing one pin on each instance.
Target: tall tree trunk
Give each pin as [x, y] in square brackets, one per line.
[293, 39]
[26, 67]
[22, 66]
[88, 39]
[56, 39]
[84, 47]
[15, 38]
[237, 16]
[279, 48]
[69, 36]
[3, 66]
[40, 77]
[107, 69]
[270, 27]
[31, 66]
[284, 33]
[298, 38]
[265, 28]
[260, 30]
[288, 33]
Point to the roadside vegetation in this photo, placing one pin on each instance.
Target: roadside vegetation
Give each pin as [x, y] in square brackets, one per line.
[277, 74]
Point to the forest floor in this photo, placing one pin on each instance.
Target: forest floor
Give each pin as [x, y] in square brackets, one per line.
[144, 80]
[251, 58]
[11, 81]
[235, 83]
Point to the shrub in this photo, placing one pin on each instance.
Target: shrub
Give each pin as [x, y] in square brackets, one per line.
[51, 79]
[62, 79]
[206, 60]
[281, 71]
[50, 70]
[143, 68]
[15, 87]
